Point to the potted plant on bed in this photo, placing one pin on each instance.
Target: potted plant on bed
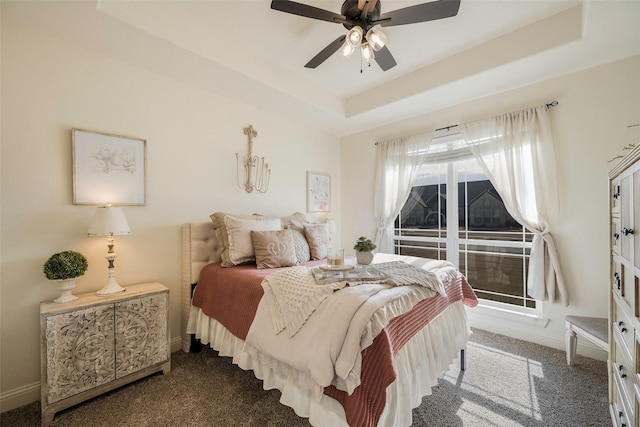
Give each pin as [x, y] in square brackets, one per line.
[65, 267]
[363, 249]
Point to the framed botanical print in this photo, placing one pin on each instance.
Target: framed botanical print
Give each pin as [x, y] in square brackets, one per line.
[318, 192]
[108, 169]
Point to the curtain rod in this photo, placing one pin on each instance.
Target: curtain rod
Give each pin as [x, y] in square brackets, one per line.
[549, 105]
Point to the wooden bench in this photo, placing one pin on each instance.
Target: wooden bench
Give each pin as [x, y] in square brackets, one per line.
[595, 329]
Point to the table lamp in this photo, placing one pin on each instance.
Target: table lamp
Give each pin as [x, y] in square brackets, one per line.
[109, 221]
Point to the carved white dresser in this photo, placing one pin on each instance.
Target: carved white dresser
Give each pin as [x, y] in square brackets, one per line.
[624, 309]
[95, 344]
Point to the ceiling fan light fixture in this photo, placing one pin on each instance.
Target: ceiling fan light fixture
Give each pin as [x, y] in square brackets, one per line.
[354, 36]
[376, 39]
[367, 52]
[347, 50]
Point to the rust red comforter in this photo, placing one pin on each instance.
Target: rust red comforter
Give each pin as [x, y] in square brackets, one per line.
[231, 297]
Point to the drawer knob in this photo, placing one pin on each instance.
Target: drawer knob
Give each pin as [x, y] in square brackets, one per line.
[621, 326]
[626, 231]
[622, 374]
[616, 236]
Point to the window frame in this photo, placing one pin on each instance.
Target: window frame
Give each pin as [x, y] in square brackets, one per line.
[448, 152]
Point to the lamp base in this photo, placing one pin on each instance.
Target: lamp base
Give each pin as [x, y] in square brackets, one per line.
[112, 286]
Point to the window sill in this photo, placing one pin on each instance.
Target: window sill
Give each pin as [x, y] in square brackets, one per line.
[487, 312]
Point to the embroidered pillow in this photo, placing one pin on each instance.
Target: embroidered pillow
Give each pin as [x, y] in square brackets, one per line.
[318, 238]
[274, 248]
[239, 236]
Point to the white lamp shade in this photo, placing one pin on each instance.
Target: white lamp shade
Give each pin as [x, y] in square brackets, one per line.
[109, 220]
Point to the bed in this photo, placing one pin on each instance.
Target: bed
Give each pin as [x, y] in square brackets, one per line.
[408, 342]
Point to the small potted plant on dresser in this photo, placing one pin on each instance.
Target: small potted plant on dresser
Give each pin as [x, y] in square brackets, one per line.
[65, 267]
[363, 249]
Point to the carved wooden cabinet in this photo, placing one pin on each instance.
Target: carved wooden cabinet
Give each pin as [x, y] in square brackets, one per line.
[624, 307]
[95, 344]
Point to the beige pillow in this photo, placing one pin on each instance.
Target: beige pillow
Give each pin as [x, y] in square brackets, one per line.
[296, 217]
[318, 238]
[220, 232]
[274, 248]
[239, 237]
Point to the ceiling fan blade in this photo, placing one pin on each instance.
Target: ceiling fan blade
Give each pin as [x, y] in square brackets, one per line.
[326, 52]
[384, 59]
[307, 11]
[424, 12]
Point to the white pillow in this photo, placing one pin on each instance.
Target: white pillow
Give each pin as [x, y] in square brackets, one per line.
[239, 234]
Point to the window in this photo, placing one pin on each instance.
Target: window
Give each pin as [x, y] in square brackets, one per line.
[455, 213]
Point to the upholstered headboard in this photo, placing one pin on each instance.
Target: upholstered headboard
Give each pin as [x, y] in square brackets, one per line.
[200, 247]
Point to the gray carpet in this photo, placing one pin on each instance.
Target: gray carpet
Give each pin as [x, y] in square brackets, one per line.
[507, 383]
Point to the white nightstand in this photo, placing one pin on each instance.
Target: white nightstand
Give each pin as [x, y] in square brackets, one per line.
[95, 344]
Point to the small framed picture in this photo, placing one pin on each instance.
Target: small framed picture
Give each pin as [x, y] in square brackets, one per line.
[108, 169]
[318, 192]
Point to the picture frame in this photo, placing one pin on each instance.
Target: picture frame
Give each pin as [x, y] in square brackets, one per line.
[108, 168]
[318, 192]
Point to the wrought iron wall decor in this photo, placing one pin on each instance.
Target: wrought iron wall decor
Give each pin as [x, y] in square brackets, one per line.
[256, 170]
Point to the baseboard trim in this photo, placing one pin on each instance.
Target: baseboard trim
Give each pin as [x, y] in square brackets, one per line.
[176, 344]
[24, 395]
[585, 348]
[20, 396]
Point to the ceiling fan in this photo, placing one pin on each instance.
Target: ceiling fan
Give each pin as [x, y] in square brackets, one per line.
[361, 17]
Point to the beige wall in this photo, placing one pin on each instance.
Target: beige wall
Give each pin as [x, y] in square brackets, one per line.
[50, 86]
[590, 126]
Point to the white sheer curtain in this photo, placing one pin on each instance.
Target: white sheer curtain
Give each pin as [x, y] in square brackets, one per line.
[397, 162]
[516, 152]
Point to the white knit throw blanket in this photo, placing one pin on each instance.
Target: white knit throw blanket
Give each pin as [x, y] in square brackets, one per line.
[432, 275]
[293, 294]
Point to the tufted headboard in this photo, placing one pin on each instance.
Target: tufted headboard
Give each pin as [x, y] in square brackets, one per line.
[200, 247]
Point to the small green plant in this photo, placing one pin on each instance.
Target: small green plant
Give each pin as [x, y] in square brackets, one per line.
[364, 245]
[65, 265]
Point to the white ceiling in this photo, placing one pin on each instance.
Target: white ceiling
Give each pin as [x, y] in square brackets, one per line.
[258, 54]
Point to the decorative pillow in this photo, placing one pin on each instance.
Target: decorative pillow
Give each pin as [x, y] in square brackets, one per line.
[318, 238]
[220, 231]
[239, 236]
[274, 248]
[301, 246]
[297, 217]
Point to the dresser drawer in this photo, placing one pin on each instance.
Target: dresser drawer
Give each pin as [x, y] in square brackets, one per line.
[615, 197]
[617, 277]
[624, 373]
[616, 237]
[623, 332]
[621, 416]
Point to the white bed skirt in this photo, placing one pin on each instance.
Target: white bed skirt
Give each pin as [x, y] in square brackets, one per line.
[419, 364]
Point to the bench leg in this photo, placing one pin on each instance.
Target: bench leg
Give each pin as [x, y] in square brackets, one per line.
[571, 341]
[463, 363]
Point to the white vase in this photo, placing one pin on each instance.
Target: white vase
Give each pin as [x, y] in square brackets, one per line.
[65, 287]
[364, 258]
